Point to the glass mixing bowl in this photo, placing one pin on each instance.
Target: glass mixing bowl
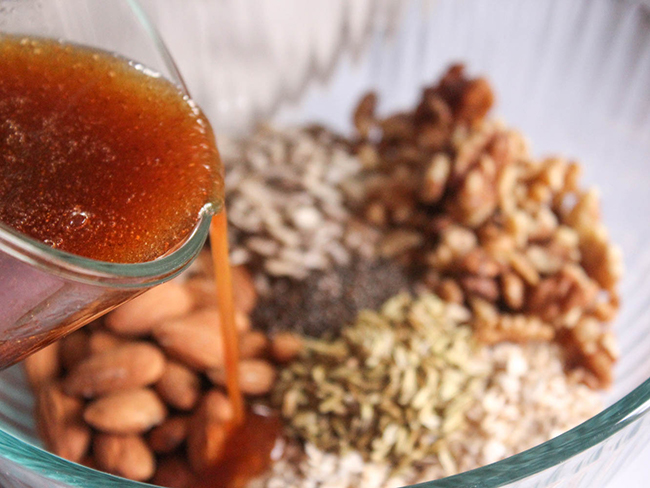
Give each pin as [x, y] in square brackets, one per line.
[574, 75]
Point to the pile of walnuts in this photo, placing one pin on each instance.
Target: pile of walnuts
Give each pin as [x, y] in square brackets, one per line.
[463, 203]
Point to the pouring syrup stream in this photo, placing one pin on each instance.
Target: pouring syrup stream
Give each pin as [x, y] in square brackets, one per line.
[219, 243]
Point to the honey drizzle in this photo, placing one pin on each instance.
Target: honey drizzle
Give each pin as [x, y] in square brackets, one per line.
[219, 243]
[249, 443]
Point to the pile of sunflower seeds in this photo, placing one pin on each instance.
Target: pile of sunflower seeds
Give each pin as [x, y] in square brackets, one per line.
[285, 195]
[391, 387]
[527, 400]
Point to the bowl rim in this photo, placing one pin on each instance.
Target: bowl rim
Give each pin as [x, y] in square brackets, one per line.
[625, 412]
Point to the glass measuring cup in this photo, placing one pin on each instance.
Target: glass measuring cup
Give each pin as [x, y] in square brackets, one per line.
[46, 293]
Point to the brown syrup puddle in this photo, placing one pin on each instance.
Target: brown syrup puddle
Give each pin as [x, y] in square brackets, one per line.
[247, 454]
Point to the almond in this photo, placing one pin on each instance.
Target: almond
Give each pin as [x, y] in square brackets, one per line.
[43, 366]
[256, 376]
[204, 290]
[126, 412]
[217, 407]
[206, 439]
[244, 293]
[203, 265]
[74, 349]
[286, 347]
[194, 340]
[89, 462]
[124, 455]
[102, 341]
[125, 367]
[173, 472]
[139, 316]
[59, 422]
[179, 386]
[242, 322]
[253, 344]
[169, 435]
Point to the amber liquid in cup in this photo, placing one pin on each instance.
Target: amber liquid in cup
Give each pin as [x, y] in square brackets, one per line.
[99, 157]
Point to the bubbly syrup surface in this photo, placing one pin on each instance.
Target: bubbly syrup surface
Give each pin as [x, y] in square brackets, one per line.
[99, 157]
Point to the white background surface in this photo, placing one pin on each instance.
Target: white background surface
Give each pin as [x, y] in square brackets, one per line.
[636, 474]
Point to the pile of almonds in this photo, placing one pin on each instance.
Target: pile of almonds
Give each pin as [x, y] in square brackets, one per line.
[141, 393]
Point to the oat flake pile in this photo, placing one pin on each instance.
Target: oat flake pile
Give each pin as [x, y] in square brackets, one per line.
[419, 299]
